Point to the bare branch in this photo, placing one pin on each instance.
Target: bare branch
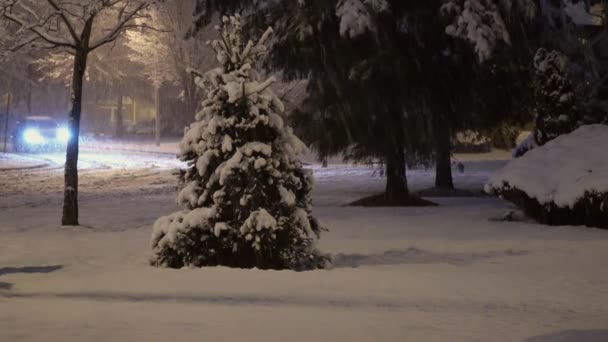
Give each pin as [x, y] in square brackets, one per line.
[124, 22]
[66, 21]
[36, 27]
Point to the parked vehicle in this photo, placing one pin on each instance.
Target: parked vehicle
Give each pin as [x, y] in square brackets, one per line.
[40, 133]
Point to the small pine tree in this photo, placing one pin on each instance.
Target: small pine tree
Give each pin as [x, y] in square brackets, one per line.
[556, 107]
[246, 195]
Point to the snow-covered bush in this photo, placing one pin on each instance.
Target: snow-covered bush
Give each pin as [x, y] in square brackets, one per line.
[564, 182]
[556, 106]
[246, 195]
[469, 141]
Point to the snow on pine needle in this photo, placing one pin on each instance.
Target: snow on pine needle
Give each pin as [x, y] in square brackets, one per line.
[481, 22]
[246, 196]
[356, 15]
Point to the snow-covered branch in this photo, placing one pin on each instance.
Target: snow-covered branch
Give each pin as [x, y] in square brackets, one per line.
[482, 22]
[33, 25]
[61, 23]
[125, 20]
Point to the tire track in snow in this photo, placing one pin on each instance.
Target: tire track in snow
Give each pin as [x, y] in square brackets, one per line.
[443, 305]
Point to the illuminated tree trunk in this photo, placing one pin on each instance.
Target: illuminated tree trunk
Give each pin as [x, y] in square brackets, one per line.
[29, 100]
[120, 128]
[6, 121]
[70, 195]
[157, 119]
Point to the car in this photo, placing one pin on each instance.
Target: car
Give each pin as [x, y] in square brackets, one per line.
[40, 133]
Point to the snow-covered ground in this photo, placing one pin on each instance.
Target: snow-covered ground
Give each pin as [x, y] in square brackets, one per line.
[12, 162]
[447, 273]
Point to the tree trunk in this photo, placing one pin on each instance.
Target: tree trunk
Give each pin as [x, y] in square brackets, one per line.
[157, 121]
[191, 100]
[29, 100]
[120, 128]
[396, 180]
[443, 174]
[70, 199]
[6, 122]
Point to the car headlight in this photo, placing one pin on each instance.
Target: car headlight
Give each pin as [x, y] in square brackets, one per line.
[63, 134]
[33, 136]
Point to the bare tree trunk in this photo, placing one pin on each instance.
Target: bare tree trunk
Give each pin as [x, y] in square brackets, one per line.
[70, 199]
[120, 128]
[6, 121]
[29, 100]
[396, 180]
[157, 121]
[443, 174]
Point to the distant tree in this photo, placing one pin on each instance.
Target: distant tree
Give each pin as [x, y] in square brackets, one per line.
[353, 58]
[110, 73]
[246, 195]
[571, 71]
[79, 28]
[170, 53]
[556, 107]
[385, 76]
[18, 76]
[578, 30]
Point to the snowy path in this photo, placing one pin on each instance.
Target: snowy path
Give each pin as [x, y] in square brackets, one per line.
[417, 274]
[12, 162]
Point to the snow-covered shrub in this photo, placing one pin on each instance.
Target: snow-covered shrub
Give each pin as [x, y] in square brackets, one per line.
[556, 106]
[469, 141]
[564, 182]
[246, 196]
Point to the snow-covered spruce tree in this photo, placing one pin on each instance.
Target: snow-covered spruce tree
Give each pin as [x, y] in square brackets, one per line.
[555, 102]
[246, 196]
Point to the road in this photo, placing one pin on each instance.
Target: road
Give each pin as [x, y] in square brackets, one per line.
[88, 160]
[110, 173]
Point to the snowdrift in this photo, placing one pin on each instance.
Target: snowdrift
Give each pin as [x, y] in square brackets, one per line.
[564, 182]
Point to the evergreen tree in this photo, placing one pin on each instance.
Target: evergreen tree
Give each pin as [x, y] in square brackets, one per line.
[556, 106]
[246, 195]
[433, 76]
[577, 30]
[353, 58]
[387, 77]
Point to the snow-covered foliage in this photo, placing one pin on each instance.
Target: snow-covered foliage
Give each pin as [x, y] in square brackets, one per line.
[356, 15]
[467, 141]
[246, 197]
[470, 137]
[481, 22]
[555, 99]
[561, 171]
[567, 171]
[59, 24]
